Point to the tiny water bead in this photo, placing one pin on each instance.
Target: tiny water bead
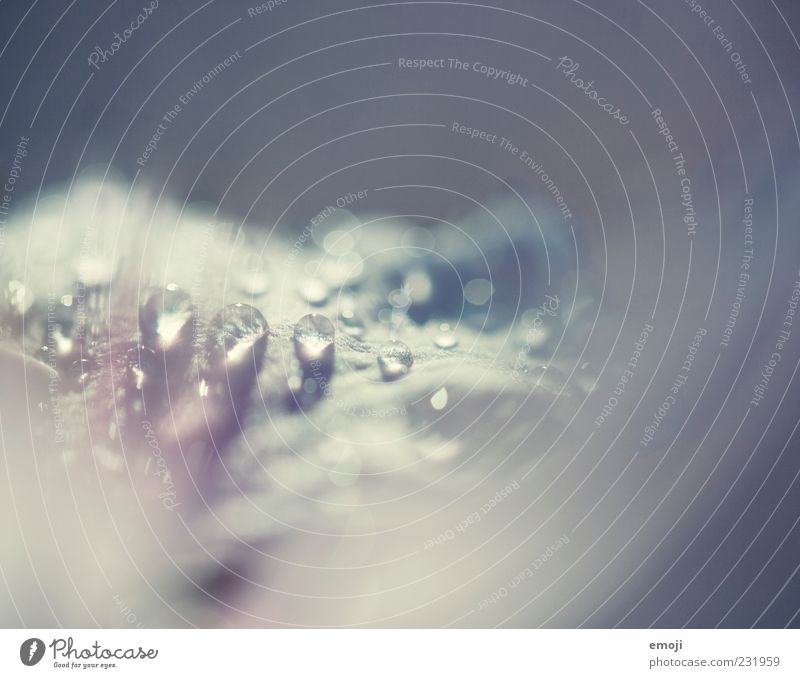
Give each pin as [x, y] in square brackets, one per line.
[60, 351]
[237, 337]
[142, 364]
[338, 243]
[166, 319]
[253, 283]
[418, 241]
[395, 359]
[341, 272]
[548, 377]
[314, 291]
[79, 372]
[313, 338]
[352, 324]
[478, 291]
[439, 399]
[446, 339]
[249, 274]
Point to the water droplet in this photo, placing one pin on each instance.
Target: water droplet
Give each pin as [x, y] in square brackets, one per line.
[313, 338]
[395, 359]
[60, 351]
[343, 271]
[439, 399]
[418, 241]
[338, 243]
[445, 340]
[166, 319]
[400, 299]
[18, 297]
[314, 291]
[419, 287]
[352, 324]
[334, 219]
[548, 377]
[79, 372]
[237, 336]
[250, 275]
[143, 363]
[586, 379]
[478, 291]
[92, 316]
[253, 283]
[536, 338]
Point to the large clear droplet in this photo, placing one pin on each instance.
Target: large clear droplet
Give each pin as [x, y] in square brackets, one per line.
[166, 319]
[313, 338]
[395, 360]
[237, 337]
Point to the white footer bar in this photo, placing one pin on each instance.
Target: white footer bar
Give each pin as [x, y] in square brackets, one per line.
[401, 653]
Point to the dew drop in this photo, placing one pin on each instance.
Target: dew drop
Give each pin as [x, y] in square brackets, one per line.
[253, 283]
[166, 319]
[394, 359]
[419, 287]
[143, 363]
[237, 336]
[79, 372]
[352, 324]
[338, 243]
[418, 241]
[313, 338]
[314, 291]
[439, 399]
[60, 351]
[548, 377]
[343, 271]
[478, 291]
[445, 340]
[251, 277]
